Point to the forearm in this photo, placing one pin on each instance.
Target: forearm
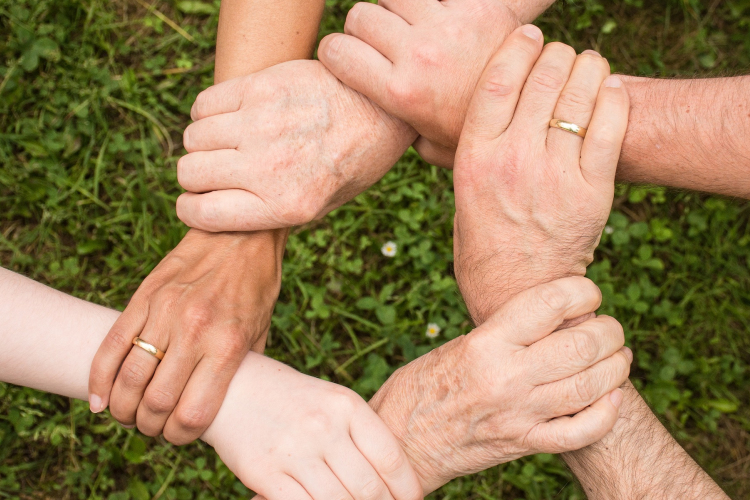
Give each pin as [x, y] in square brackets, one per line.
[49, 338]
[640, 459]
[256, 34]
[690, 134]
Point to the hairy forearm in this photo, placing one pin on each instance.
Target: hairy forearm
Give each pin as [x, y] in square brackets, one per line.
[639, 459]
[690, 134]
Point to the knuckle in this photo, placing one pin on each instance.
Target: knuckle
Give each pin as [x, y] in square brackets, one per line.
[159, 401]
[391, 461]
[193, 418]
[426, 55]
[402, 93]
[603, 142]
[372, 489]
[552, 297]
[585, 347]
[196, 317]
[133, 375]
[547, 80]
[496, 82]
[119, 337]
[576, 98]
[355, 15]
[585, 388]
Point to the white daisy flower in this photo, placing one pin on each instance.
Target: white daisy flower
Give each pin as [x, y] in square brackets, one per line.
[389, 249]
[609, 229]
[433, 330]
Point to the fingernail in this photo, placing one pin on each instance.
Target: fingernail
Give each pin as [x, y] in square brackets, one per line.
[616, 397]
[532, 32]
[128, 427]
[592, 52]
[613, 81]
[95, 403]
[626, 350]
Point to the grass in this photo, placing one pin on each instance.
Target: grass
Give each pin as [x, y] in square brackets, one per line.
[94, 95]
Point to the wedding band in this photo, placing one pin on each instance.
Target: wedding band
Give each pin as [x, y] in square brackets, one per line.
[569, 127]
[157, 353]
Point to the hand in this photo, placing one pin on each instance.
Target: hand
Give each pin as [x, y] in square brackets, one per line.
[293, 437]
[206, 304]
[532, 201]
[282, 147]
[420, 61]
[505, 390]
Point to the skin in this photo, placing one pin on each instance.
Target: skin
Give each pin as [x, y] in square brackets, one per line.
[260, 142]
[497, 179]
[292, 437]
[285, 435]
[177, 308]
[686, 134]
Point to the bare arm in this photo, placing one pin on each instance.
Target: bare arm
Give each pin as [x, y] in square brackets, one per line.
[257, 34]
[244, 268]
[690, 134]
[640, 459]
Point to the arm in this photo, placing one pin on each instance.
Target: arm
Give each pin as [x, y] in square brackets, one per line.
[49, 340]
[212, 297]
[689, 134]
[640, 459]
[551, 201]
[280, 431]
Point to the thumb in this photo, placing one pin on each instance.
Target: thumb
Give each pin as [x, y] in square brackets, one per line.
[499, 89]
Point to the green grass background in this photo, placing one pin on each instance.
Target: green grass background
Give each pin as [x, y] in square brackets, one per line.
[94, 95]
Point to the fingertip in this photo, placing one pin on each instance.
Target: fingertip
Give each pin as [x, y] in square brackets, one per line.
[330, 47]
[628, 353]
[96, 403]
[613, 82]
[532, 32]
[616, 397]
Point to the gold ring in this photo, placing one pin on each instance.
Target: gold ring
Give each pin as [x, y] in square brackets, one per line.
[157, 353]
[569, 127]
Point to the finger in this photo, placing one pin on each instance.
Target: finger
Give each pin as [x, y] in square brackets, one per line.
[601, 148]
[542, 90]
[213, 133]
[411, 10]
[567, 352]
[164, 390]
[279, 487]
[573, 433]
[204, 171]
[225, 97]
[434, 154]
[318, 480]
[575, 393]
[577, 102]
[356, 474]
[535, 313]
[113, 351]
[382, 30]
[202, 397]
[230, 210]
[135, 374]
[496, 96]
[378, 445]
[359, 66]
